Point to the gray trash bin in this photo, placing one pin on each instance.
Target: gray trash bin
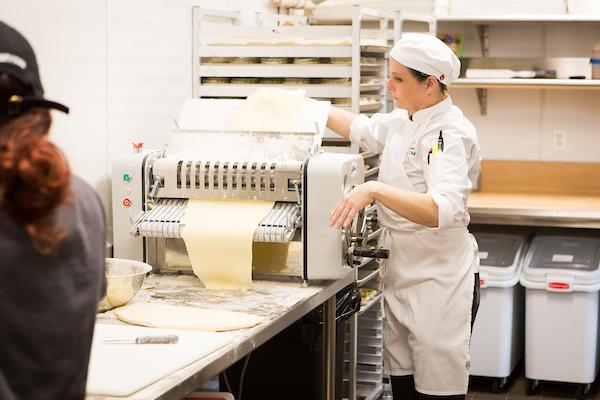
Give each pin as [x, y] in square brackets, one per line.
[497, 340]
[562, 280]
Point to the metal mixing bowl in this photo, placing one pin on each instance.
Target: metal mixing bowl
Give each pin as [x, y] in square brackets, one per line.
[123, 279]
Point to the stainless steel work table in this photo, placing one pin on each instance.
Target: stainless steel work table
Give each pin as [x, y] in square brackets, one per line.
[280, 303]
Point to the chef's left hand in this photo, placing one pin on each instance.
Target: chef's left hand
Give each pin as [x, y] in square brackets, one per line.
[358, 198]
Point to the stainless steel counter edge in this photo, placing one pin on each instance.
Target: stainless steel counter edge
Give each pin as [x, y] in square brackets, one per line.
[556, 218]
[186, 380]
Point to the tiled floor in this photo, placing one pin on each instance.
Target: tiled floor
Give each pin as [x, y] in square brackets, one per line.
[480, 389]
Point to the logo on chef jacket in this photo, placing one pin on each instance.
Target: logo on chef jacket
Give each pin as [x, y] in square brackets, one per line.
[412, 152]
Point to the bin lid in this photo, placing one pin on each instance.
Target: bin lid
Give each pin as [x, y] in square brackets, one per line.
[499, 257]
[563, 262]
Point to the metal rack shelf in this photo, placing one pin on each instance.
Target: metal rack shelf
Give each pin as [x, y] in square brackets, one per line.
[364, 262]
[375, 393]
[234, 51]
[366, 275]
[370, 303]
[375, 235]
[371, 107]
[368, 87]
[220, 52]
[367, 154]
[244, 90]
[370, 393]
[372, 171]
[250, 50]
[276, 71]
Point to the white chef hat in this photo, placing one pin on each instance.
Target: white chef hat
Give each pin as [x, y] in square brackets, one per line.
[427, 54]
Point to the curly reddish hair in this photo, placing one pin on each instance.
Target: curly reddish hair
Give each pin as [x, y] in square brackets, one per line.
[34, 175]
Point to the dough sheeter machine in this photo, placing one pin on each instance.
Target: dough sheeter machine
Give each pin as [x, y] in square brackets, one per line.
[203, 160]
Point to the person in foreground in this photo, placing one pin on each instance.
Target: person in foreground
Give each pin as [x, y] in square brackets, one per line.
[429, 163]
[52, 240]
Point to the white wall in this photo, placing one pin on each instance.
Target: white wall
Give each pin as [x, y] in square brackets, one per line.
[69, 40]
[123, 67]
[149, 63]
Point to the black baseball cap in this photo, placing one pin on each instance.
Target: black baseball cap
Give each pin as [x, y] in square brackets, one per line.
[17, 59]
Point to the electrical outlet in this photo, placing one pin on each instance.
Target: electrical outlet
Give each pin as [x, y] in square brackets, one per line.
[559, 140]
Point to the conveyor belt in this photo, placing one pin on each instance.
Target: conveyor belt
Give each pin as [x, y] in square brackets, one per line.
[164, 221]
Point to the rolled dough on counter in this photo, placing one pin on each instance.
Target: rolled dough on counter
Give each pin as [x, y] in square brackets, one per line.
[218, 236]
[184, 317]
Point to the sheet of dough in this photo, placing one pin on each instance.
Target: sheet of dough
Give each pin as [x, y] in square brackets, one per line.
[218, 236]
[268, 109]
[184, 317]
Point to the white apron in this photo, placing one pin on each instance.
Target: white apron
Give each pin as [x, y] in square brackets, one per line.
[428, 284]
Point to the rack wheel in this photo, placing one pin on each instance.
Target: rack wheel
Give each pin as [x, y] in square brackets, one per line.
[498, 385]
[533, 386]
[583, 390]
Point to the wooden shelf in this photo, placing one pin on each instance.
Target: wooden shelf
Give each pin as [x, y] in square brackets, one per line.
[537, 193]
[517, 83]
[486, 19]
[482, 86]
[535, 209]
[516, 201]
[553, 178]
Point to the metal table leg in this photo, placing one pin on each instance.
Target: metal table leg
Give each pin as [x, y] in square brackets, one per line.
[329, 348]
[352, 356]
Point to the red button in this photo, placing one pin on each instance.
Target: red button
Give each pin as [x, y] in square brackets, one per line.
[127, 202]
[559, 285]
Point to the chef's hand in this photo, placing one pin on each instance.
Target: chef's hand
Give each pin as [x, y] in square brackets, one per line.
[358, 198]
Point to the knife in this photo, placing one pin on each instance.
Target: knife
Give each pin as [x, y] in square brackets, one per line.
[160, 339]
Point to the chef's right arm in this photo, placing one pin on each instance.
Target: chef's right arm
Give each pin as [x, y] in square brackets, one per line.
[339, 121]
[368, 133]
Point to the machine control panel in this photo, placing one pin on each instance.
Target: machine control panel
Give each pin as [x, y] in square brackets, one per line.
[126, 203]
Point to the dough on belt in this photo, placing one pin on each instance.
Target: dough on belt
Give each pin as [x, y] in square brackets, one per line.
[218, 237]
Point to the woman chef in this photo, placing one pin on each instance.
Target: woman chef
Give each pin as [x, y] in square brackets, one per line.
[429, 163]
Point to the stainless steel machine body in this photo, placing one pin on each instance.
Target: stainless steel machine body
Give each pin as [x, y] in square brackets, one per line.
[147, 227]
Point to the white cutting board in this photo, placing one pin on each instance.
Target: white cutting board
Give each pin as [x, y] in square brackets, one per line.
[123, 369]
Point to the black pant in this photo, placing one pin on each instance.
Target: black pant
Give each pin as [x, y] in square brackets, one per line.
[403, 387]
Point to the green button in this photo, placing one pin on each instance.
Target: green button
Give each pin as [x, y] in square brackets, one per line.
[126, 178]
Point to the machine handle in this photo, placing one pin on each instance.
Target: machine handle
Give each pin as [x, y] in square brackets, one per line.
[371, 253]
